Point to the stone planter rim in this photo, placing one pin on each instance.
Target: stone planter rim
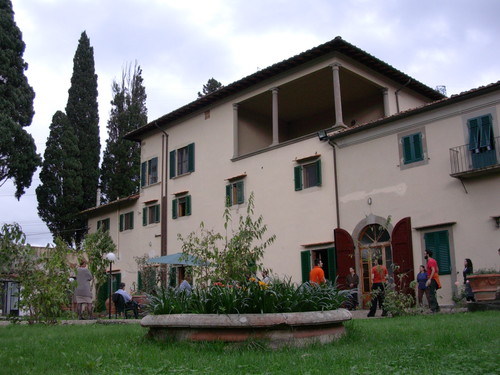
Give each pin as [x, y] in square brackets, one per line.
[269, 320]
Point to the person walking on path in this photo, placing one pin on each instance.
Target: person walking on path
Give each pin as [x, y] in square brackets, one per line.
[379, 276]
[83, 291]
[422, 288]
[432, 280]
[317, 275]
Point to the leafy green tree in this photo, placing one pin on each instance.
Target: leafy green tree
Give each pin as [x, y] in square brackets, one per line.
[18, 157]
[60, 193]
[82, 112]
[120, 169]
[44, 277]
[211, 86]
[96, 246]
[234, 256]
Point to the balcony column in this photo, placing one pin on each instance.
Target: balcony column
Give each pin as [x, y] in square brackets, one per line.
[385, 92]
[339, 122]
[236, 150]
[275, 116]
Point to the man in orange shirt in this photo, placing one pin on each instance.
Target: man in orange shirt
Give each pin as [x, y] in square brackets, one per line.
[379, 277]
[317, 275]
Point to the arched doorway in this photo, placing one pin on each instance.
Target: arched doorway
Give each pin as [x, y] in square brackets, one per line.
[374, 242]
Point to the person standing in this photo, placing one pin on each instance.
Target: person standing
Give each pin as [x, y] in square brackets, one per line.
[353, 281]
[379, 276]
[422, 288]
[432, 280]
[83, 291]
[317, 275]
[468, 270]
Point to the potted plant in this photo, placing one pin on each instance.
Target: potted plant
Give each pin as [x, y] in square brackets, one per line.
[484, 283]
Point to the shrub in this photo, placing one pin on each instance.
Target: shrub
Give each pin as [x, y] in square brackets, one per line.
[250, 297]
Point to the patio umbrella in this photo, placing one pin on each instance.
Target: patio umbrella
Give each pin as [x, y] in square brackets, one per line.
[175, 259]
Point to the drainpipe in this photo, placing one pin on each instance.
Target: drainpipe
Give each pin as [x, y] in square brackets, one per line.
[396, 93]
[164, 189]
[337, 208]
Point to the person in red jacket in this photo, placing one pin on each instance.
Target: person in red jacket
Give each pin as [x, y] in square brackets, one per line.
[379, 276]
[317, 275]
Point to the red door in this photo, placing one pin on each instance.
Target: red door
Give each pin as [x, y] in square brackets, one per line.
[402, 255]
[344, 250]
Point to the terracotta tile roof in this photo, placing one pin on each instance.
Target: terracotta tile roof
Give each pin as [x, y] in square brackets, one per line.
[110, 204]
[413, 111]
[337, 45]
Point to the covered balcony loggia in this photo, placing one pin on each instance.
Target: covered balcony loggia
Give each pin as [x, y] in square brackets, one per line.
[327, 98]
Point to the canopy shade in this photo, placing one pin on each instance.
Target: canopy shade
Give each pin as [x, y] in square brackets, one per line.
[175, 259]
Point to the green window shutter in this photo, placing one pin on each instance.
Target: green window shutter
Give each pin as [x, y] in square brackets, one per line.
[240, 193]
[473, 133]
[417, 147]
[407, 154]
[486, 131]
[332, 264]
[99, 224]
[121, 222]
[188, 205]
[297, 171]
[107, 224]
[144, 170]
[190, 157]
[305, 262]
[172, 164]
[139, 281]
[153, 171]
[157, 213]
[132, 220]
[439, 243]
[318, 171]
[229, 201]
[144, 216]
[174, 209]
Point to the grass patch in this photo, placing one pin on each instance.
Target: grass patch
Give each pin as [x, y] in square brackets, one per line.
[428, 344]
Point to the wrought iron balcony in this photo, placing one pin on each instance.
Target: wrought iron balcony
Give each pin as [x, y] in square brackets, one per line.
[468, 163]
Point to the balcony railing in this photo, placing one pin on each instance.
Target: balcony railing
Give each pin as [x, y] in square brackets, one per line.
[468, 163]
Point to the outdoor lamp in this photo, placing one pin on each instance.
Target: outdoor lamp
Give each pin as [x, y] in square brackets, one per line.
[111, 257]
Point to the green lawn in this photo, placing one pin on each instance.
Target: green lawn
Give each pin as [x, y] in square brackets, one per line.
[464, 343]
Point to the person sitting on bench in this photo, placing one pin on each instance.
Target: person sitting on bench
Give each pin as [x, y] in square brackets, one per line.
[128, 300]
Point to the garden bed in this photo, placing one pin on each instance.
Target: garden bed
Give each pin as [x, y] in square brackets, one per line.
[277, 330]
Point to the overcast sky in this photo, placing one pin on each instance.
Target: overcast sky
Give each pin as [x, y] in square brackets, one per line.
[180, 44]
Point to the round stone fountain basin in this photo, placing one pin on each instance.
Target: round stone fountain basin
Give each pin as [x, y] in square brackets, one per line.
[285, 329]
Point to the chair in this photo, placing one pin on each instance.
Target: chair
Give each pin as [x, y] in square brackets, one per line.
[120, 305]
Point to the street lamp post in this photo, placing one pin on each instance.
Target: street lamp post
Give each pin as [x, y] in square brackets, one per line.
[111, 257]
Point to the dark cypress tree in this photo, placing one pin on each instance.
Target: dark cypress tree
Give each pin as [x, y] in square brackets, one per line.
[120, 169]
[83, 115]
[211, 86]
[18, 157]
[60, 192]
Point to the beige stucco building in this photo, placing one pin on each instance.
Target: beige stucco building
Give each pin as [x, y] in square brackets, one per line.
[329, 139]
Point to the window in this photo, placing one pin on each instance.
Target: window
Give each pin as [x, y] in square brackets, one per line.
[151, 214]
[235, 193]
[104, 224]
[182, 161]
[308, 175]
[127, 221]
[412, 148]
[439, 243]
[149, 172]
[181, 206]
